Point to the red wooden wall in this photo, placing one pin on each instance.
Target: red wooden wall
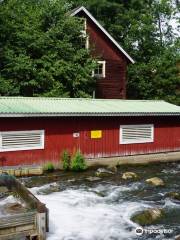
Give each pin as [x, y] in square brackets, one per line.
[114, 84]
[59, 136]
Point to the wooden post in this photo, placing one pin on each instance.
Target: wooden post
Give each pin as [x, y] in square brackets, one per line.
[41, 225]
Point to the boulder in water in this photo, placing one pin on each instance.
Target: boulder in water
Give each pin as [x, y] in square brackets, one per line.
[49, 189]
[100, 194]
[112, 168]
[155, 181]
[103, 172]
[173, 195]
[71, 180]
[129, 175]
[148, 217]
[93, 179]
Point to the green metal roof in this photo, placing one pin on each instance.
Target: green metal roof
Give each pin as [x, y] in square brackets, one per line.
[39, 106]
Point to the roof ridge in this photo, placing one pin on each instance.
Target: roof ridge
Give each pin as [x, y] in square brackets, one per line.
[82, 8]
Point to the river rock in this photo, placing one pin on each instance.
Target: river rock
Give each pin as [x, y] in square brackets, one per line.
[71, 180]
[50, 189]
[129, 175]
[112, 168]
[173, 195]
[155, 181]
[148, 217]
[93, 179]
[100, 194]
[103, 172]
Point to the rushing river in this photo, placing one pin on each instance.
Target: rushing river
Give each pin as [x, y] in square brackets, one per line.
[81, 209]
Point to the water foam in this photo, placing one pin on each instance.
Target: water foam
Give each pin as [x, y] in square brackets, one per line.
[83, 214]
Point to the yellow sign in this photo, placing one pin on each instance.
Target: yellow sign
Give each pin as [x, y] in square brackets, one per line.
[96, 134]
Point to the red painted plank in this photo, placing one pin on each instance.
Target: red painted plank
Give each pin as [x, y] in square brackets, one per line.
[59, 136]
[113, 86]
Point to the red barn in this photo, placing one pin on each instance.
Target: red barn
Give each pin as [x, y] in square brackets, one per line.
[37, 130]
[113, 59]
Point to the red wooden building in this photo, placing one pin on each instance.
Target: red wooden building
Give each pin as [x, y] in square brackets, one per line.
[37, 130]
[113, 59]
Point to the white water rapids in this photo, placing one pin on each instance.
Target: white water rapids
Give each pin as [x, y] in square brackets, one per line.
[83, 210]
[83, 214]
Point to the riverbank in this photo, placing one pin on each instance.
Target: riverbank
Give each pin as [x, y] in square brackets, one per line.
[36, 170]
[86, 207]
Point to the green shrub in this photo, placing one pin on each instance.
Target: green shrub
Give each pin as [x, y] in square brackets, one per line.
[49, 167]
[78, 162]
[66, 160]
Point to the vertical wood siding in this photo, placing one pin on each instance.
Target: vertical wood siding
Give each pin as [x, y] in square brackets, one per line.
[114, 84]
[59, 136]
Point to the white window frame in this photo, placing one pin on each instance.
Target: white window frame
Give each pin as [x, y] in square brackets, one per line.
[87, 42]
[136, 140]
[41, 146]
[103, 75]
[84, 34]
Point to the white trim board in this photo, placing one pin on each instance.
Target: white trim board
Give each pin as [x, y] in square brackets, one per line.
[77, 10]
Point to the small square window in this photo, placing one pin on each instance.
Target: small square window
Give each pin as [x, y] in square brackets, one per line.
[100, 70]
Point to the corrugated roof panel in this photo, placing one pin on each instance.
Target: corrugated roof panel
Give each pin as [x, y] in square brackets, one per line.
[39, 106]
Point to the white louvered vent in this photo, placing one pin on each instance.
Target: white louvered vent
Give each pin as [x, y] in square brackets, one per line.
[21, 140]
[136, 133]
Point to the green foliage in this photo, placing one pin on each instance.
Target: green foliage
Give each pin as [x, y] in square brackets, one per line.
[66, 160]
[157, 79]
[49, 167]
[78, 162]
[41, 52]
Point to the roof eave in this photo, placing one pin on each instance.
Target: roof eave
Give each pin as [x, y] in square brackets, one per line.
[77, 10]
[90, 114]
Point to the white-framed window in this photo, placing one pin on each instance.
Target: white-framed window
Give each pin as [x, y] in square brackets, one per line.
[21, 140]
[84, 35]
[100, 70]
[140, 133]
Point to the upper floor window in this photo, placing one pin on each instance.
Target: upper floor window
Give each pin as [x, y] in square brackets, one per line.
[100, 70]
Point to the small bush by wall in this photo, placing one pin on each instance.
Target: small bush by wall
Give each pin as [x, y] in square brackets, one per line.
[66, 159]
[78, 162]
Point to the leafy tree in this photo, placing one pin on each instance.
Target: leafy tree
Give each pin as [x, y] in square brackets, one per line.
[157, 79]
[41, 50]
